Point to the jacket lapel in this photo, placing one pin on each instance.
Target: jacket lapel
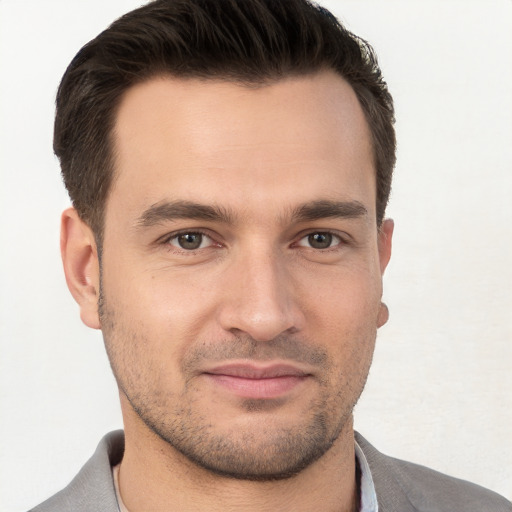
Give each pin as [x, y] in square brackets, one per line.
[93, 488]
[390, 495]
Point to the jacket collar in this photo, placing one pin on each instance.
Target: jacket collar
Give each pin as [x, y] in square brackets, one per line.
[390, 494]
[93, 487]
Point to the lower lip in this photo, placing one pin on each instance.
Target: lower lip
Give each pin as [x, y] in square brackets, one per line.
[273, 387]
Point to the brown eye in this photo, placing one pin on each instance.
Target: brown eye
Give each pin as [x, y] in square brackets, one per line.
[190, 241]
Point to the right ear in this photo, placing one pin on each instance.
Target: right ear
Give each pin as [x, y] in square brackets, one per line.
[81, 265]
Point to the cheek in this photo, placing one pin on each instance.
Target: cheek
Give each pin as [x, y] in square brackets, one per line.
[343, 297]
[343, 316]
[163, 313]
[158, 293]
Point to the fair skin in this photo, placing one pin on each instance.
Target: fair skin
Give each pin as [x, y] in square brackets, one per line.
[240, 289]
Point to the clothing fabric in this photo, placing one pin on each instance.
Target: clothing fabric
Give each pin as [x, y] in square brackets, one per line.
[120, 502]
[366, 486]
[368, 502]
[400, 486]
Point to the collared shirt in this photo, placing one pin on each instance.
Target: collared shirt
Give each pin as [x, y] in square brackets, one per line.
[115, 471]
[367, 490]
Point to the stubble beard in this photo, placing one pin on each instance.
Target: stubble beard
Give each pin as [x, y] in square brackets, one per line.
[269, 452]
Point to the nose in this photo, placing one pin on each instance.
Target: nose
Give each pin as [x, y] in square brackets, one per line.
[260, 298]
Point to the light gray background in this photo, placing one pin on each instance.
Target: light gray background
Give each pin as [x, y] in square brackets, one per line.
[440, 388]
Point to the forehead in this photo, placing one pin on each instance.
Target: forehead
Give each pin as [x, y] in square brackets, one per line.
[218, 141]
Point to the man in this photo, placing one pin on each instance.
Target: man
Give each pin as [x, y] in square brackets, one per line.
[229, 164]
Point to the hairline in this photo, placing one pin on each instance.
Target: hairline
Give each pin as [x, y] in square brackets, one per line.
[98, 224]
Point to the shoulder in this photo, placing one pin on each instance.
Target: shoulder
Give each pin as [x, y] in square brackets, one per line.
[423, 489]
[92, 489]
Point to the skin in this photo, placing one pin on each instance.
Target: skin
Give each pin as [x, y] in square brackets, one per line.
[287, 271]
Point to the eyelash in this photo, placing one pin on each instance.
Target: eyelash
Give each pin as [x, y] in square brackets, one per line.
[334, 235]
[165, 241]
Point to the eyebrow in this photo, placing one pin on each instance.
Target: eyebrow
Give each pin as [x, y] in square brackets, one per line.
[324, 209]
[314, 210]
[173, 210]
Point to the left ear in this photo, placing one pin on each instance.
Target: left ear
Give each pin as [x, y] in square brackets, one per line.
[384, 243]
[385, 237]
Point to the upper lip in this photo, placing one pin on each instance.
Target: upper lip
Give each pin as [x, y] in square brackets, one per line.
[253, 371]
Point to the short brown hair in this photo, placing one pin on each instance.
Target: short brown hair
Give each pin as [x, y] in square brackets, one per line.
[246, 41]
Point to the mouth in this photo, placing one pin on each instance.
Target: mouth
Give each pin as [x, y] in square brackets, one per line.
[257, 382]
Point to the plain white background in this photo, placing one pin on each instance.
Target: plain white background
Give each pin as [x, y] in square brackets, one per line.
[439, 391]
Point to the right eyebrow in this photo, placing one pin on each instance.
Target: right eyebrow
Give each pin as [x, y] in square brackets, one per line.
[173, 210]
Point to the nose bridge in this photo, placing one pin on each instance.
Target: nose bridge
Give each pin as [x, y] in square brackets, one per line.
[261, 299]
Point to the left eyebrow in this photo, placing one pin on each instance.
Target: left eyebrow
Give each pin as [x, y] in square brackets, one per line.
[324, 209]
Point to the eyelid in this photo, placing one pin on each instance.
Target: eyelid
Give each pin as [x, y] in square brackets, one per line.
[341, 240]
[166, 239]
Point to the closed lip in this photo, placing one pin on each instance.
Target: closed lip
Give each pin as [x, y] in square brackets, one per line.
[254, 371]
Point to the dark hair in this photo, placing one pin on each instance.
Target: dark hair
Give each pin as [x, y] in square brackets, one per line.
[246, 41]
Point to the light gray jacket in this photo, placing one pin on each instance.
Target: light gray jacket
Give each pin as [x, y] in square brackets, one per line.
[401, 486]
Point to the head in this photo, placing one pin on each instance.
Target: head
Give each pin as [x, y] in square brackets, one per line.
[232, 161]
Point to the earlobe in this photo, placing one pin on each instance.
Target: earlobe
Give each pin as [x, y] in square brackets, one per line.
[81, 265]
[383, 316]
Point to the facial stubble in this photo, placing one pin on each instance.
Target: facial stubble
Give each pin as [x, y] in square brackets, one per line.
[264, 448]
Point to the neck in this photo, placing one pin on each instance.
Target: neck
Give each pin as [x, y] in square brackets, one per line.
[154, 476]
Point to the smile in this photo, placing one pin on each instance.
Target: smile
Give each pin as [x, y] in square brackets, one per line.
[249, 381]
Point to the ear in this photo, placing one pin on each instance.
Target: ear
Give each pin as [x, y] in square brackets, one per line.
[81, 265]
[385, 237]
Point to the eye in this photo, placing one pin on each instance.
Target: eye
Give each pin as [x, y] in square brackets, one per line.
[320, 240]
[190, 241]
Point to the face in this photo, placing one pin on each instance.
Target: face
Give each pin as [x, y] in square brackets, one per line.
[241, 268]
